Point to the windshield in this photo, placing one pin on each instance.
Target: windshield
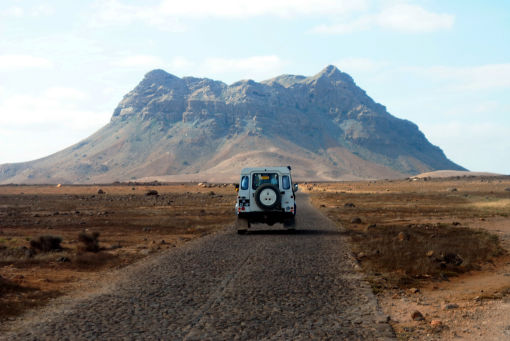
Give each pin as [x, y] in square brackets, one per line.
[264, 178]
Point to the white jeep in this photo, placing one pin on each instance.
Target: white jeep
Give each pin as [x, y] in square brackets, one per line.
[265, 195]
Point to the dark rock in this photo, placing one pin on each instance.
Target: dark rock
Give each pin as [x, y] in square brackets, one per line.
[417, 316]
[450, 306]
[452, 258]
[356, 220]
[349, 204]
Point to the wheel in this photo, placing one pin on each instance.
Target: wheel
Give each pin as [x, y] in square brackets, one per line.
[242, 225]
[267, 197]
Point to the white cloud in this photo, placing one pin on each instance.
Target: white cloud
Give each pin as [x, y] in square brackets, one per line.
[176, 65]
[35, 125]
[55, 108]
[181, 64]
[457, 79]
[400, 17]
[244, 8]
[115, 12]
[64, 94]
[467, 130]
[140, 61]
[478, 146]
[16, 62]
[225, 69]
[360, 24]
[13, 11]
[256, 67]
[360, 65]
[413, 18]
[490, 76]
[169, 14]
[34, 11]
[41, 10]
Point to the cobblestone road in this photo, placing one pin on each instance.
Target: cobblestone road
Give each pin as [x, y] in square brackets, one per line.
[268, 284]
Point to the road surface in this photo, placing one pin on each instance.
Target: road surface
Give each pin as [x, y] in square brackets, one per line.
[268, 284]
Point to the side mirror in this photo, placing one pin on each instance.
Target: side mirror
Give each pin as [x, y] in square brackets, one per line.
[296, 187]
[237, 187]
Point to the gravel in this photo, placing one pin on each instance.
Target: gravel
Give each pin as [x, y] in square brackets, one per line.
[269, 284]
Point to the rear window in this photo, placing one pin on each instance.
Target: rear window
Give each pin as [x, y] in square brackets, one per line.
[264, 178]
[244, 182]
[285, 182]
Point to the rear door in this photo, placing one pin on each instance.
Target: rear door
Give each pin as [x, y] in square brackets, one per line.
[287, 194]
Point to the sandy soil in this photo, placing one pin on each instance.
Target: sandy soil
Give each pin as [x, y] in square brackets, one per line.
[132, 225]
[472, 305]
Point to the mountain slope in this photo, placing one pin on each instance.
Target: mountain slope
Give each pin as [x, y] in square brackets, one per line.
[189, 128]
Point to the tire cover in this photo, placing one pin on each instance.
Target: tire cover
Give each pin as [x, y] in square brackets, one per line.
[267, 197]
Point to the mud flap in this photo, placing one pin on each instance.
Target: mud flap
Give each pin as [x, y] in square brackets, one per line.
[242, 225]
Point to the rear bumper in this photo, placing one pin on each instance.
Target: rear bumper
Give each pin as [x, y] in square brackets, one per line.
[269, 217]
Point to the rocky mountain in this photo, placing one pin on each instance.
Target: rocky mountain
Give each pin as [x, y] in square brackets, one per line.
[198, 129]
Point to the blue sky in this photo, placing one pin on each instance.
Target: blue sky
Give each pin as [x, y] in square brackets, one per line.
[445, 65]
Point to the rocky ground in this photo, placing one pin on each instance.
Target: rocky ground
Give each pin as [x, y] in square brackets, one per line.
[418, 222]
[268, 284]
[131, 225]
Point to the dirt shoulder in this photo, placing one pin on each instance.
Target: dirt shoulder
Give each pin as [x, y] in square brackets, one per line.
[436, 246]
[130, 224]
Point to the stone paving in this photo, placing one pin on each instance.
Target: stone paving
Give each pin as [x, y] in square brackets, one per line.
[269, 284]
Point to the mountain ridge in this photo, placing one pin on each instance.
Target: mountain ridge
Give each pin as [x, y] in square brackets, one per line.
[324, 125]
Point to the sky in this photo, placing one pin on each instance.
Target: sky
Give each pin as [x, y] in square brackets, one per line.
[444, 65]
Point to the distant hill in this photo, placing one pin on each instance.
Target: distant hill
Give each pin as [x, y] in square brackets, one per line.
[452, 173]
[199, 129]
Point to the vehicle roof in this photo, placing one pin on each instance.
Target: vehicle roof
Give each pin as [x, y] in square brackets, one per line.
[283, 170]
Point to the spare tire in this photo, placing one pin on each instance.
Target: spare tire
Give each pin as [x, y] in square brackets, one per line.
[267, 197]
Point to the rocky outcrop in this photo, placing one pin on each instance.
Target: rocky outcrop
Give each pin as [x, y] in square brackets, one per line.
[169, 126]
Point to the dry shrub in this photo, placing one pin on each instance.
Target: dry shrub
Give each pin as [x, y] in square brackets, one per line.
[429, 251]
[89, 242]
[7, 286]
[46, 243]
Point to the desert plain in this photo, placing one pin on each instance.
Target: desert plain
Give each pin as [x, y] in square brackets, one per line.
[433, 250]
